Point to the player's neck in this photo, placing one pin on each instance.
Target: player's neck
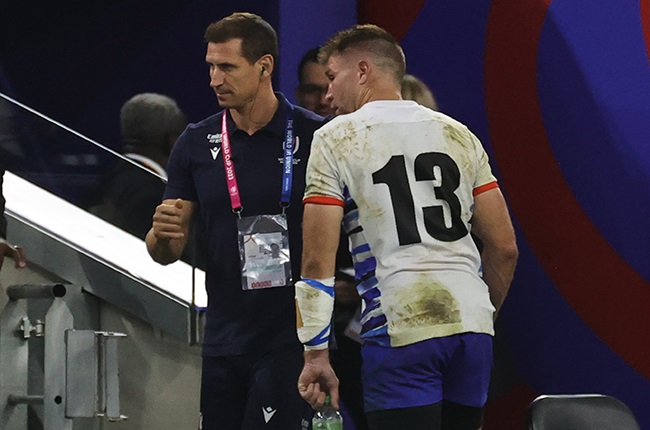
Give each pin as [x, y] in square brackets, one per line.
[378, 92]
[258, 112]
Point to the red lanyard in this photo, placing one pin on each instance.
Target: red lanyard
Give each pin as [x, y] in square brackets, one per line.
[231, 178]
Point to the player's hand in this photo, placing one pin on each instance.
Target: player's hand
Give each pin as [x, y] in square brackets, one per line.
[15, 252]
[167, 221]
[318, 379]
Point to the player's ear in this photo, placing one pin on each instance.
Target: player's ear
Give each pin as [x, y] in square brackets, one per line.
[363, 68]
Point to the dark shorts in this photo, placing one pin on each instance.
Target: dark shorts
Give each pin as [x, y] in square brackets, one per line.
[454, 368]
[254, 392]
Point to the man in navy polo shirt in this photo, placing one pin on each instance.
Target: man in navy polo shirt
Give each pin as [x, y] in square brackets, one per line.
[238, 178]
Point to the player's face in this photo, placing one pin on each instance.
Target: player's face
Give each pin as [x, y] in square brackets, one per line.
[313, 89]
[234, 80]
[342, 90]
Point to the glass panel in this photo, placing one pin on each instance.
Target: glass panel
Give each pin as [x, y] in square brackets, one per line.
[59, 159]
[80, 170]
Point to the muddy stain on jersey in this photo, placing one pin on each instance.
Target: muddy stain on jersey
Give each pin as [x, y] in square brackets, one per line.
[459, 136]
[376, 213]
[424, 303]
[352, 142]
[316, 183]
[461, 148]
[318, 170]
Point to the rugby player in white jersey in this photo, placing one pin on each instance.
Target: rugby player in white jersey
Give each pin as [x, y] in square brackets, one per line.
[409, 185]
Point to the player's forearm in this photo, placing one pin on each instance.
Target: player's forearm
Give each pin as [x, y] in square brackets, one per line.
[498, 271]
[314, 307]
[318, 257]
[321, 232]
[314, 267]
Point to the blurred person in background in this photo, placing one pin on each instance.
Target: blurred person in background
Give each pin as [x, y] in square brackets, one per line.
[150, 123]
[9, 149]
[413, 88]
[312, 84]
[6, 248]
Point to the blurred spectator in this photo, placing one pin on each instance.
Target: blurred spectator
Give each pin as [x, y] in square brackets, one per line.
[6, 248]
[313, 83]
[8, 148]
[150, 124]
[414, 89]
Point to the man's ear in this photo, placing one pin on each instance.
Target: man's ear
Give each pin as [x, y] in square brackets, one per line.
[363, 68]
[266, 64]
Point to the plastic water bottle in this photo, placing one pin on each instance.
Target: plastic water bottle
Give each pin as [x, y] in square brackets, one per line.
[327, 418]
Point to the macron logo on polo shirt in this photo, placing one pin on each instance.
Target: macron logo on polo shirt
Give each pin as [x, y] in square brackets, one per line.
[268, 413]
[214, 139]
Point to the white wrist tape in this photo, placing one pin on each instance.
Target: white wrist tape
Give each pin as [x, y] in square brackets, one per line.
[314, 306]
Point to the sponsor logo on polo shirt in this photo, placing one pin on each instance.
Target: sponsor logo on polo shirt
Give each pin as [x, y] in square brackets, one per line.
[214, 138]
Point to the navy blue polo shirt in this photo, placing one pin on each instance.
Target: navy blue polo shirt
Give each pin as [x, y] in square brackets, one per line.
[239, 321]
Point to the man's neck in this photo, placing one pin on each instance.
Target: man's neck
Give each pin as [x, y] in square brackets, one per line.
[257, 113]
[378, 92]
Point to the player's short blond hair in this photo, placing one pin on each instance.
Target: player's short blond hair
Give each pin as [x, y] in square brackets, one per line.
[368, 38]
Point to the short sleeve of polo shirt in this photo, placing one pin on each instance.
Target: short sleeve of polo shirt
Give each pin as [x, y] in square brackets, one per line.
[323, 184]
[180, 183]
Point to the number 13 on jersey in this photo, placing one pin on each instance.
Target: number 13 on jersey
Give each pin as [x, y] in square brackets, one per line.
[394, 174]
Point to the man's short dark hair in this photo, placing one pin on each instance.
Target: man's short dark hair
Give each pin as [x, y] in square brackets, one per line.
[148, 120]
[310, 56]
[369, 38]
[257, 36]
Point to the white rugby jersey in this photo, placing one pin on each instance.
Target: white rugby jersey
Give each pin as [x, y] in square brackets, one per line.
[407, 177]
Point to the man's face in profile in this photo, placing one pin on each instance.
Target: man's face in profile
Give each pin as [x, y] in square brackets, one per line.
[312, 90]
